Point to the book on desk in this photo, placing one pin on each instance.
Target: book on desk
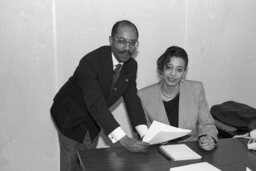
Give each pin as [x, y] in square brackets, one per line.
[178, 152]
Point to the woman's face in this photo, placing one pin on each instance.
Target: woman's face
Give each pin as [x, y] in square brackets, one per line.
[173, 72]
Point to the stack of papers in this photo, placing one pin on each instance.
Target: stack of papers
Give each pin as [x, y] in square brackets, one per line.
[203, 166]
[179, 152]
[159, 132]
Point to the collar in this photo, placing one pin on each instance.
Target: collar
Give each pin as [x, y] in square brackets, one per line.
[115, 61]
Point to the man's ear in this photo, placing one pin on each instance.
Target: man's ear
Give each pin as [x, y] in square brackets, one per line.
[110, 40]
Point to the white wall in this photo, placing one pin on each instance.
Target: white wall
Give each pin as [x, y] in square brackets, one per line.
[221, 45]
[27, 137]
[43, 41]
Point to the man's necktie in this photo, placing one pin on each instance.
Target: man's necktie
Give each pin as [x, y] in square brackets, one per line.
[116, 74]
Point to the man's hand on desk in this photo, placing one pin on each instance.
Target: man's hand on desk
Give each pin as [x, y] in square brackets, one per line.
[134, 145]
[206, 142]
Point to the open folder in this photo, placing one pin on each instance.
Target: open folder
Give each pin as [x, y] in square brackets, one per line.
[159, 132]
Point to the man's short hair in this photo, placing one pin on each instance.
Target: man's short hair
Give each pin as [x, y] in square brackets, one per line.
[125, 22]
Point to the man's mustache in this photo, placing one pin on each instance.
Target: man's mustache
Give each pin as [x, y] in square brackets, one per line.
[125, 52]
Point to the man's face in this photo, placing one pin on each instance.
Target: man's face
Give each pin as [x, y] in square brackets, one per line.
[124, 43]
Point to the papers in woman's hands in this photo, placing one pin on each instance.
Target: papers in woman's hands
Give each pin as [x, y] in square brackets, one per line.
[159, 132]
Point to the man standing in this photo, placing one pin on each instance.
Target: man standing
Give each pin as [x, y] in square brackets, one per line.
[81, 107]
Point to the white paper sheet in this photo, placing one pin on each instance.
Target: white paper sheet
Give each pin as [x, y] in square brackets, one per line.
[159, 132]
[203, 166]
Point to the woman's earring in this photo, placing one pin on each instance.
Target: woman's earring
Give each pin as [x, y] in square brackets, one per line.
[182, 80]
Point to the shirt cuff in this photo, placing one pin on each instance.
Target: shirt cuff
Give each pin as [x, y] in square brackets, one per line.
[142, 130]
[116, 135]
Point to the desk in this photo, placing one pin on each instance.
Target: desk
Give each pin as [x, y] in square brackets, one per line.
[230, 155]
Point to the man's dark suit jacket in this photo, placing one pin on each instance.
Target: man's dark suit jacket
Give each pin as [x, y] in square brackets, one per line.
[82, 103]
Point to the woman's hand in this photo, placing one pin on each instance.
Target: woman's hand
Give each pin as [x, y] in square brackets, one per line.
[206, 142]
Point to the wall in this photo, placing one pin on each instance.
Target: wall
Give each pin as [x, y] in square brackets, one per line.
[220, 41]
[43, 41]
[27, 137]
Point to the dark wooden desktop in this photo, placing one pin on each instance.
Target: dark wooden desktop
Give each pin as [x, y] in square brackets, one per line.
[230, 155]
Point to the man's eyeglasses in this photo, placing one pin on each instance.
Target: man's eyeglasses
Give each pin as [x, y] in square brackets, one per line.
[123, 42]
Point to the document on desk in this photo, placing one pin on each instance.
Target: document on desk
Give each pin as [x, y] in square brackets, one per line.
[203, 166]
[178, 152]
[159, 132]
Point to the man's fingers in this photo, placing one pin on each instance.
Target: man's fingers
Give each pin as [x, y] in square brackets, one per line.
[134, 145]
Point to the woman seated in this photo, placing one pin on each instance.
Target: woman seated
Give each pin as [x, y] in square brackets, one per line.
[179, 102]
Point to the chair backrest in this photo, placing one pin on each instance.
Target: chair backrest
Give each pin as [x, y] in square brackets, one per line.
[238, 115]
